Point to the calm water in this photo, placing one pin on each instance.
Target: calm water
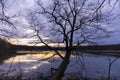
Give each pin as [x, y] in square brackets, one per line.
[87, 65]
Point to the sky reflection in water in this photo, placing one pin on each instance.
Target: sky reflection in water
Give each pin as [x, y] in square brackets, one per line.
[94, 65]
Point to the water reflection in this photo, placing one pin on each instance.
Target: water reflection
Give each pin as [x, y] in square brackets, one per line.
[87, 65]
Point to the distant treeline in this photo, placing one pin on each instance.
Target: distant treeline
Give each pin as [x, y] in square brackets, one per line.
[92, 47]
[6, 50]
[100, 47]
[24, 47]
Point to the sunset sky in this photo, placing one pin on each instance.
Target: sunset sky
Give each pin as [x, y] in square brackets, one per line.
[21, 8]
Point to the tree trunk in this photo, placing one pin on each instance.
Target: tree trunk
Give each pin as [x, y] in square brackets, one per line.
[109, 71]
[61, 69]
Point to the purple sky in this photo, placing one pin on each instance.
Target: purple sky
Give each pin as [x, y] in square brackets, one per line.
[23, 7]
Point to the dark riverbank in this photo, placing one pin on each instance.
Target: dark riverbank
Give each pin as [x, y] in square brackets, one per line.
[8, 50]
[91, 47]
[112, 50]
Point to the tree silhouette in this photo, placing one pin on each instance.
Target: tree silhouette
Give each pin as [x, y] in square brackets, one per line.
[5, 20]
[73, 22]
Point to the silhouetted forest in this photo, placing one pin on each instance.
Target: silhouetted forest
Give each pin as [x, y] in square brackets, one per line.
[91, 47]
[8, 50]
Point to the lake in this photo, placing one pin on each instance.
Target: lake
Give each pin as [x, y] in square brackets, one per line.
[85, 65]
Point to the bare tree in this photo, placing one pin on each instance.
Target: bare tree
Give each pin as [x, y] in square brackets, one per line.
[6, 24]
[110, 65]
[72, 22]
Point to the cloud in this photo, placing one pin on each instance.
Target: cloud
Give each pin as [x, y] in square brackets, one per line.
[23, 7]
[19, 6]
